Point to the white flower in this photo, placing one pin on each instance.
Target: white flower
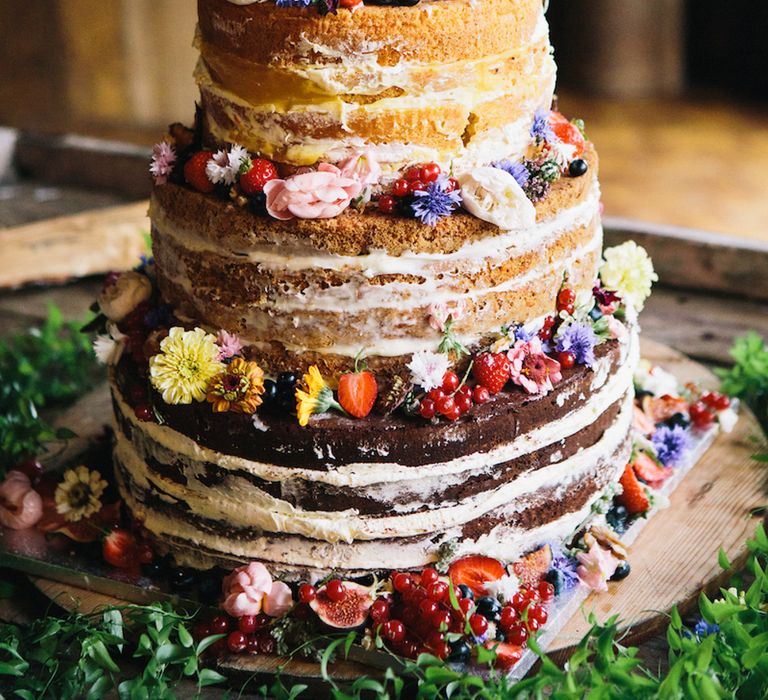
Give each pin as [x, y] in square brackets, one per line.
[225, 165]
[79, 494]
[727, 419]
[121, 297]
[493, 195]
[628, 270]
[655, 380]
[562, 153]
[428, 368]
[108, 347]
[163, 158]
[503, 588]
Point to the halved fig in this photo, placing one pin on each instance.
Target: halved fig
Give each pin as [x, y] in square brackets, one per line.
[347, 613]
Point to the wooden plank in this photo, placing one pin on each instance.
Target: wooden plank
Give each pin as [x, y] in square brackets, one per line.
[701, 260]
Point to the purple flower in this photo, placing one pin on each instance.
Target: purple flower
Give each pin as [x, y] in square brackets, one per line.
[293, 3]
[670, 443]
[580, 339]
[516, 170]
[540, 129]
[435, 202]
[704, 628]
[565, 567]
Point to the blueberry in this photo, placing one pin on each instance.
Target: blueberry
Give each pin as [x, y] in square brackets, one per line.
[578, 167]
[500, 636]
[616, 517]
[155, 570]
[555, 577]
[460, 651]
[407, 3]
[622, 571]
[209, 586]
[595, 314]
[677, 419]
[466, 591]
[489, 608]
[257, 203]
[182, 579]
[270, 392]
[286, 381]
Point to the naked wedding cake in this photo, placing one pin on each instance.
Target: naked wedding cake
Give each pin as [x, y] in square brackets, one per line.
[379, 329]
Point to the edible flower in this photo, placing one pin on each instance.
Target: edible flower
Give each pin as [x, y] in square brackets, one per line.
[494, 195]
[108, 348]
[163, 158]
[229, 344]
[238, 387]
[318, 397]
[671, 444]
[428, 369]
[187, 361]
[531, 369]
[362, 166]
[628, 269]
[20, 505]
[122, 295]
[580, 339]
[249, 590]
[516, 170]
[318, 194]
[541, 129]
[440, 313]
[596, 566]
[224, 166]
[78, 495]
[436, 201]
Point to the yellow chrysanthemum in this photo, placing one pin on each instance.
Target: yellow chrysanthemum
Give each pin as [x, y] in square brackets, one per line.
[628, 270]
[186, 363]
[318, 397]
[237, 388]
[78, 495]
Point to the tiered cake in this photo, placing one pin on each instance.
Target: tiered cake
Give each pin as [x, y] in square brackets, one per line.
[389, 245]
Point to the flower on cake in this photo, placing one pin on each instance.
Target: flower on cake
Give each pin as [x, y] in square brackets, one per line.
[564, 567]
[78, 495]
[541, 129]
[249, 590]
[229, 344]
[671, 444]
[20, 505]
[428, 369]
[123, 294]
[628, 270]
[108, 347]
[238, 387]
[516, 170]
[596, 566]
[163, 159]
[531, 369]
[362, 166]
[495, 196]
[503, 588]
[224, 166]
[578, 338]
[317, 398]
[607, 301]
[442, 313]
[186, 363]
[436, 201]
[317, 194]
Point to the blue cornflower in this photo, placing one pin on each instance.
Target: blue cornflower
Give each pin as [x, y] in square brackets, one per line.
[540, 129]
[435, 201]
[293, 3]
[580, 339]
[524, 333]
[671, 444]
[565, 567]
[516, 170]
[704, 628]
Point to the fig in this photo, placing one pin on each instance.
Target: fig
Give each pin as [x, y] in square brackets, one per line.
[349, 612]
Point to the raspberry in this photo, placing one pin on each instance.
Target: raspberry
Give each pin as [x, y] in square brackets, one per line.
[260, 173]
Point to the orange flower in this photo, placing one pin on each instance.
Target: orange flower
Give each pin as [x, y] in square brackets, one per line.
[237, 388]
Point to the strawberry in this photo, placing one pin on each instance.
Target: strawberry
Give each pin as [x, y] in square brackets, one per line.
[507, 655]
[648, 470]
[475, 571]
[349, 4]
[567, 132]
[532, 568]
[633, 498]
[119, 549]
[252, 181]
[491, 370]
[357, 392]
[194, 171]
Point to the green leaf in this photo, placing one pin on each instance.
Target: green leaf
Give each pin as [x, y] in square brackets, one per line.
[210, 677]
[722, 559]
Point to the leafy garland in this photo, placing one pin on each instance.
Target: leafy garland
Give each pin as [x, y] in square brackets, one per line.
[724, 656]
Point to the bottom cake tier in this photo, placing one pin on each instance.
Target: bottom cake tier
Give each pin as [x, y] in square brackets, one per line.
[355, 497]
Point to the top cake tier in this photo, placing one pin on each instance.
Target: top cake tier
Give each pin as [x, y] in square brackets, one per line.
[454, 82]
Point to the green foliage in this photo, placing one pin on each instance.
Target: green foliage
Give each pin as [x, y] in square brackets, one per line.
[46, 367]
[748, 378]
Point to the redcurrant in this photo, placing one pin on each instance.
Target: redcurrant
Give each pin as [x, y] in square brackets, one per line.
[450, 382]
[307, 593]
[478, 624]
[400, 188]
[566, 359]
[335, 590]
[386, 204]
[427, 408]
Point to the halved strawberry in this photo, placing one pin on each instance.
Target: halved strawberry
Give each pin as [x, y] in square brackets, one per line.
[532, 568]
[357, 393]
[194, 171]
[633, 498]
[567, 132]
[475, 571]
[507, 655]
[491, 370]
[119, 549]
[648, 470]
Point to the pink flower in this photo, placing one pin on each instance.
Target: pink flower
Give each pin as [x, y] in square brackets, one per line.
[229, 344]
[596, 566]
[245, 588]
[439, 314]
[20, 505]
[320, 194]
[163, 158]
[531, 369]
[617, 329]
[361, 167]
[279, 600]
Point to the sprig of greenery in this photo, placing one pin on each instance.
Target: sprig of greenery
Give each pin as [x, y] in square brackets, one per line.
[46, 367]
